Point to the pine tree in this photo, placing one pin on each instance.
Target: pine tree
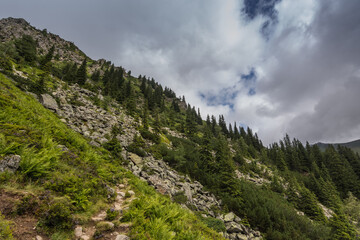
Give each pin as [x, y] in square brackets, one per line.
[70, 75]
[95, 76]
[47, 58]
[81, 74]
[26, 47]
[145, 116]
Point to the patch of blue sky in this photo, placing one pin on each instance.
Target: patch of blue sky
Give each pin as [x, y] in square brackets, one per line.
[224, 97]
[265, 8]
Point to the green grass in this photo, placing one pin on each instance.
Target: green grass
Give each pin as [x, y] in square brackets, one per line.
[155, 217]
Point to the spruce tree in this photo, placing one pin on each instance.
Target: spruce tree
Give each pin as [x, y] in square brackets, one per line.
[47, 58]
[81, 74]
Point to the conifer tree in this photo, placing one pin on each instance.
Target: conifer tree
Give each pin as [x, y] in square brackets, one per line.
[26, 47]
[81, 74]
[48, 57]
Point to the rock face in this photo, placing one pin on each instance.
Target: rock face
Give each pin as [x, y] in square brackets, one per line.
[10, 163]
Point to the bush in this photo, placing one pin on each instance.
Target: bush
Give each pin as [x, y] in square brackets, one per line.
[180, 198]
[5, 229]
[145, 133]
[214, 223]
[137, 150]
[57, 216]
[28, 204]
[111, 214]
[114, 147]
[5, 64]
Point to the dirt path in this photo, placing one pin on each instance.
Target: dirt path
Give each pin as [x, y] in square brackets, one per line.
[100, 227]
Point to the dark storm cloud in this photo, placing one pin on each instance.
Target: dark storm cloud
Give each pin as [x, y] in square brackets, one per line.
[319, 81]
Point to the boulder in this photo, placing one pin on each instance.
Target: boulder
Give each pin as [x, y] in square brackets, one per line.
[229, 217]
[78, 232]
[233, 227]
[187, 191]
[135, 159]
[122, 237]
[48, 102]
[10, 163]
[240, 236]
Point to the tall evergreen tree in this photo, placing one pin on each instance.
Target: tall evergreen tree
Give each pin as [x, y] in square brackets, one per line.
[81, 74]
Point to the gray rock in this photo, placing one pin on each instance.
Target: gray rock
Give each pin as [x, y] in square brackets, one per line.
[122, 237]
[187, 191]
[233, 227]
[240, 236]
[237, 219]
[63, 148]
[10, 163]
[94, 143]
[49, 102]
[33, 95]
[103, 140]
[38, 237]
[229, 217]
[78, 232]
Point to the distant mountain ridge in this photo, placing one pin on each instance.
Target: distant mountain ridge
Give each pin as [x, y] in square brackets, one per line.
[354, 145]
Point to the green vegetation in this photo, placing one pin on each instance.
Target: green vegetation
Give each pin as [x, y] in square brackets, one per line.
[5, 229]
[156, 217]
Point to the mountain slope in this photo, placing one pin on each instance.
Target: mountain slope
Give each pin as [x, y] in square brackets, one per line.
[60, 170]
[354, 145]
[221, 172]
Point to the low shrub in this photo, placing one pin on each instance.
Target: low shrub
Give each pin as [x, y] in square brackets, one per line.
[111, 214]
[5, 229]
[145, 133]
[180, 198]
[57, 216]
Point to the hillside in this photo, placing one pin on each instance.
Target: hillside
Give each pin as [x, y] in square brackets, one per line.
[89, 151]
[354, 145]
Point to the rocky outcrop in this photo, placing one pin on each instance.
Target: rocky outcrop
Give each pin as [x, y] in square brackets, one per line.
[254, 178]
[78, 111]
[12, 28]
[10, 163]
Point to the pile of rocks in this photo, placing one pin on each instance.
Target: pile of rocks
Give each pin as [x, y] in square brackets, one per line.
[167, 181]
[255, 178]
[10, 163]
[88, 119]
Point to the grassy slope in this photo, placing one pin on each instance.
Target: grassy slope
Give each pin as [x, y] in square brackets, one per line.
[75, 179]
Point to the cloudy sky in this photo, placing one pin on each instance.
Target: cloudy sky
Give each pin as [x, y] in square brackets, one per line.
[278, 66]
